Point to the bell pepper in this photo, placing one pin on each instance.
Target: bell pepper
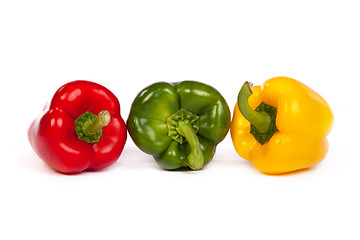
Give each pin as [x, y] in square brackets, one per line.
[281, 126]
[81, 129]
[180, 124]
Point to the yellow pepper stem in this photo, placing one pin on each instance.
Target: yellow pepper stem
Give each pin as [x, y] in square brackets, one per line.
[261, 120]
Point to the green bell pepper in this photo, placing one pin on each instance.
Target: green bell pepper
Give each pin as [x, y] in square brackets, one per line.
[180, 123]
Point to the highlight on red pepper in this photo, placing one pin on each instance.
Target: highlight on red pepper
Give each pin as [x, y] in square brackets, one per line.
[81, 129]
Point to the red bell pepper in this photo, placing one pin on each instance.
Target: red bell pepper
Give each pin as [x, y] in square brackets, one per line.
[70, 138]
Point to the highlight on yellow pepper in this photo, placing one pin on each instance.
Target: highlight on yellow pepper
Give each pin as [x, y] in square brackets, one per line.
[281, 126]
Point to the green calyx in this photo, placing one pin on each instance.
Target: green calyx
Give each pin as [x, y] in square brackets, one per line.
[181, 116]
[262, 119]
[262, 138]
[182, 127]
[88, 126]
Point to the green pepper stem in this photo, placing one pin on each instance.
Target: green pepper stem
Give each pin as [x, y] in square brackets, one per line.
[102, 119]
[195, 159]
[261, 120]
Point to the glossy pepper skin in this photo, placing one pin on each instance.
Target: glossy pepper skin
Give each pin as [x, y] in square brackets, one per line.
[303, 121]
[55, 140]
[180, 124]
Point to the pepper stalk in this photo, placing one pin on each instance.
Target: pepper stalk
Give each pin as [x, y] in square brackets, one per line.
[182, 127]
[88, 126]
[262, 119]
[195, 158]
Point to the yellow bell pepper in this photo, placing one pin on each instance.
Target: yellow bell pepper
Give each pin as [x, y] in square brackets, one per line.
[281, 126]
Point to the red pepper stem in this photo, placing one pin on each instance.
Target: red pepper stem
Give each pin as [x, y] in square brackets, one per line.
[261, 120]
[101, 121]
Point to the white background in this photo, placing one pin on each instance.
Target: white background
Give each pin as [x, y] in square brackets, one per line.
[127, 45]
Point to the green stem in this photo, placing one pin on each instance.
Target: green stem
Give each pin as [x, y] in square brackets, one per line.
[102, 119]
[261, 120]
[195, 159]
